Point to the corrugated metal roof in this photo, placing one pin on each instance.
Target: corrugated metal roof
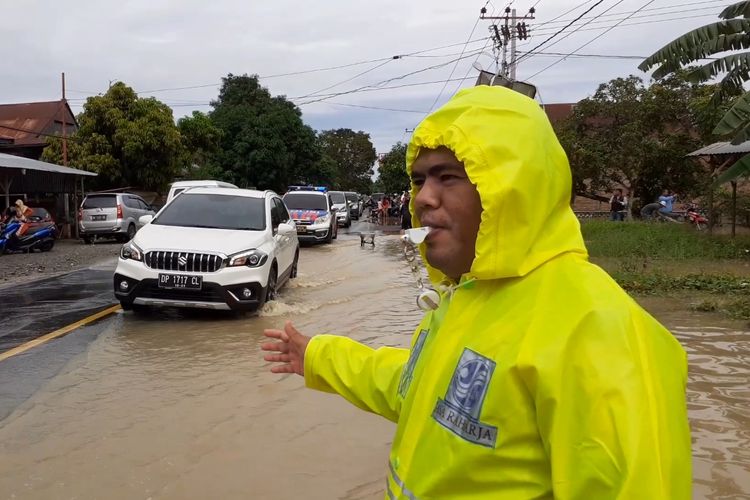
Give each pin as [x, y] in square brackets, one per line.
[10, 161]
[26, 122]
[722, 148]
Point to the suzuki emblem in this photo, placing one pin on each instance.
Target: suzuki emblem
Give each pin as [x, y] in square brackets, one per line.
[182, 261]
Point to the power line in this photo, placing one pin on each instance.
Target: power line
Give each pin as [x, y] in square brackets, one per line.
[375, 107]
[648, 16]
[577, 29]
[655, 21]
[561, 30]
[349, 79]
[486, 42]
[590, 41]
[680, 8]
[317, 70]
[437, 98]
[379, 84]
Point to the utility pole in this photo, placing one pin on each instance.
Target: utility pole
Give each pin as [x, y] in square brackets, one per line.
[512, 29]
[63, 106]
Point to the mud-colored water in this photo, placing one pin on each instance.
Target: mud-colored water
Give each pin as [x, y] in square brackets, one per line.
[181, 406]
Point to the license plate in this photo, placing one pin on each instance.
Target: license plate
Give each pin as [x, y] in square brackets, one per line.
[180, 281]
[98, 217]
[301, 229]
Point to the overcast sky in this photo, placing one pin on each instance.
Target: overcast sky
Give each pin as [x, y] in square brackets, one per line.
[166, 44]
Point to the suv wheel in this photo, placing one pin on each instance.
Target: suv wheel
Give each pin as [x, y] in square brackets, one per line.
[131, 231]
[335, 231]
[271, 286]
[295, 263]
[329, 238]
[88, 240]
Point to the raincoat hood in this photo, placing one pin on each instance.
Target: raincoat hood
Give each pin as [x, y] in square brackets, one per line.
[510, 152]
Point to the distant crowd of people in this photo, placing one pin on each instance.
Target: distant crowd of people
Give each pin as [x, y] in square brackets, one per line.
[393, 206]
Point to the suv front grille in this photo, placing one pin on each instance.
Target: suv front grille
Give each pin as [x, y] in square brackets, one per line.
[302, 222]
[184, 261]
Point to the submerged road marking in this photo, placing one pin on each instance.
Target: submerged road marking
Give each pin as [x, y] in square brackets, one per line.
[58, 333]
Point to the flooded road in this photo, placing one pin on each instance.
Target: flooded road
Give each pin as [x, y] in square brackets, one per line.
[178, 405]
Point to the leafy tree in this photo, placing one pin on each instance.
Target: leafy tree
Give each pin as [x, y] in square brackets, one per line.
[353, 155]
[201, 139]
[392, 170]
[637, 136]
[127, 140]
[732, 34]
[264, 143]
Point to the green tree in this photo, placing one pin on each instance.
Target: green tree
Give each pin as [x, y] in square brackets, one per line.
[264, 143]
[732, 34]
[392, 170]
[637, 136]
[201, 140]
[127, 140]
[354, 156]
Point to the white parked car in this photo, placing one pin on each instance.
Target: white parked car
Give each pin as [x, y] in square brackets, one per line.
[181, 186]
[210, 248]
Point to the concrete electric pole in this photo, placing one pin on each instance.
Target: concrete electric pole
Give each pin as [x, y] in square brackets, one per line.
[513, 28]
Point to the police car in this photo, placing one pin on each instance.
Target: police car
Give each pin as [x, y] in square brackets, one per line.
[312, 210]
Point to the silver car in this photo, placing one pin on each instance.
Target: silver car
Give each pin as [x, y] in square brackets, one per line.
[111, 215]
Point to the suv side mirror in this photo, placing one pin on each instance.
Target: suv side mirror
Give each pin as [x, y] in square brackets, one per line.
[285, 228]
[145, 219]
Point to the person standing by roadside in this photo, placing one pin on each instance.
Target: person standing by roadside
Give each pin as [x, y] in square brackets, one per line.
[618, 205]
[405, 212]
[386, 208]
[535, 375]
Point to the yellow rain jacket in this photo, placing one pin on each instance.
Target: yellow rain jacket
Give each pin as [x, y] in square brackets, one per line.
[538, 376]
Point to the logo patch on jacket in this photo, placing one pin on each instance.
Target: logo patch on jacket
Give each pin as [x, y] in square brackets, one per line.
[459, 411]
[408, 374]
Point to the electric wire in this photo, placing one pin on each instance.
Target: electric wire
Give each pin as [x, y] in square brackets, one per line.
[588, 43]
[437, 98]
[599, 2]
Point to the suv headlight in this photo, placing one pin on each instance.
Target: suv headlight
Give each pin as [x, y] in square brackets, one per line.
[322, 220]
[249, 258]
[131, 251]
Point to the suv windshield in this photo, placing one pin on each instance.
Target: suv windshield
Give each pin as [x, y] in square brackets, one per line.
[100, 201]
[215, 211]
[337, 197]
[352, 197]
[305, 201]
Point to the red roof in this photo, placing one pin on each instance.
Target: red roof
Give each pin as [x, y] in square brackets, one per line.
[25, 123]
[558, 112]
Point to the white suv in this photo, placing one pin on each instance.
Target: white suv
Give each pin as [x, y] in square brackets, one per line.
[210, 248]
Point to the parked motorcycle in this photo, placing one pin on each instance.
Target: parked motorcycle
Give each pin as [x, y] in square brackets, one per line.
[696, 218]
[38, 237]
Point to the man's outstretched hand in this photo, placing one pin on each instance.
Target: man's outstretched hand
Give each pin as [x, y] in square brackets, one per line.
[290, 347]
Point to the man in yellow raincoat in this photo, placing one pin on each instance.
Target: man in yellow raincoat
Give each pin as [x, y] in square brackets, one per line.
[537, 376]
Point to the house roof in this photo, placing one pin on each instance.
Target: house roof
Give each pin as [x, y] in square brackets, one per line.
[722, 148]
[558, 112]
[19, 162]
[26, 123]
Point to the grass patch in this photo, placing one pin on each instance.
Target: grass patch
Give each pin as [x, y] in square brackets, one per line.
[661, 259]
[659, 283]
[642, 242]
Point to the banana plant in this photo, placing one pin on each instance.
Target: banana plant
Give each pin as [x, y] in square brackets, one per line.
[731, 34]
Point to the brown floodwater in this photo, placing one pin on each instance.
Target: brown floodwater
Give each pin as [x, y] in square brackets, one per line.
[181, 406]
